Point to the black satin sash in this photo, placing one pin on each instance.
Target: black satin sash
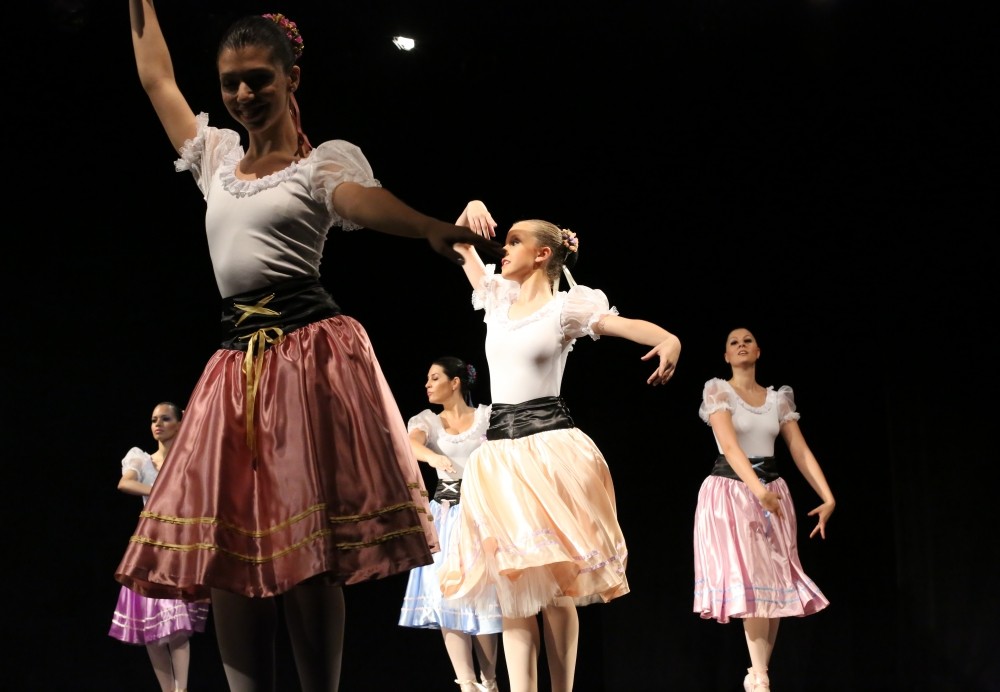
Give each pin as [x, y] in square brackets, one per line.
[276, 309]
[766, 468]
[511, 421]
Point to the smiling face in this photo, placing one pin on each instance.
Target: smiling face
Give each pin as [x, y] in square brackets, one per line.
[741, 348]
[255, 90]
[164, 423]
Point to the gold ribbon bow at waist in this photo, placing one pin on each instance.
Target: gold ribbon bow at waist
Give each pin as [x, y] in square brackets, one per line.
[253, 364]
[262, 318]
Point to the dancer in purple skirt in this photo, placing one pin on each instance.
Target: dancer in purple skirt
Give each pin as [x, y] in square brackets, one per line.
[163, 625]
[746, 562]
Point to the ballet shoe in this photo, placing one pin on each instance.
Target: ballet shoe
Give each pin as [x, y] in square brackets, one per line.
[489, 685]
[756, 681]
[469, 686]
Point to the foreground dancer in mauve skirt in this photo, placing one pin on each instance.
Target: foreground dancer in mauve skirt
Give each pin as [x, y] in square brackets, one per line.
[293, 474]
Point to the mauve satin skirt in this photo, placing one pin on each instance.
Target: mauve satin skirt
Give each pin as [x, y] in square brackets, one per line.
[746, 560]
[334, 493]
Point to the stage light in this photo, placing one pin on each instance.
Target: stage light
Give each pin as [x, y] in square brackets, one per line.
[403, 43]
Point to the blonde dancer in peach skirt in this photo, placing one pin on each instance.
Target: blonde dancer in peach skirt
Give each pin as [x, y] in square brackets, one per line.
[539, 519]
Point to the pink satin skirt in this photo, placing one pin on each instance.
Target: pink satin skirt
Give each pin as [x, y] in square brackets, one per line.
[333, 491]
[746, 560]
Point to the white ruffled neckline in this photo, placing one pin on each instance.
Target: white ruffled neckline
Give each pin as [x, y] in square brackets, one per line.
[456, 438]
[763, 408]
[512, 289]
[239, 187]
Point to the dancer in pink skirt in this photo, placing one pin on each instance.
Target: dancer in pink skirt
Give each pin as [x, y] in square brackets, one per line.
[746, 562]
[293, 473]
[163, 625]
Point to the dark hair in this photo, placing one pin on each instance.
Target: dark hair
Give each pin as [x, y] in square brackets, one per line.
[266, 32]
[176, 409]
[255, 30]
[465, 372]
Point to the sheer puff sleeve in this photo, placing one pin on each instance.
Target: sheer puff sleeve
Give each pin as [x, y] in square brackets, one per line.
[134, 461]
[209, 148]
[425, 422]
[333, 163]
[717, 396]
[493, 291]
[786, 405]
[583, 308]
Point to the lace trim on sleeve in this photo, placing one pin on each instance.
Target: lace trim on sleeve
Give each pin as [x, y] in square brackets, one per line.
[583, 308]
[193, 150]
[336, 162]
[786, 405]
[479, 292]
[494, 291]
[134, 461]
[423, 421]
[716, 396]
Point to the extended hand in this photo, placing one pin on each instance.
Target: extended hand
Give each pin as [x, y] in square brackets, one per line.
[823, 513]
[443, 236]
[668, 350]
[443, 463]
[478, 218]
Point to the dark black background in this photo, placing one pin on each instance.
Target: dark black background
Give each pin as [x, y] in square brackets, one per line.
[820, 172]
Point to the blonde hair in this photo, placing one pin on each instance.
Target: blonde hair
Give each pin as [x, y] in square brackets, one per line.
[565, 248]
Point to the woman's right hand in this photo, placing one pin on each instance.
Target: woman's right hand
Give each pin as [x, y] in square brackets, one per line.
[771, 502]
[440, 461]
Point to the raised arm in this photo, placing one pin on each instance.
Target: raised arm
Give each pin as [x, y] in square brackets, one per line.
[666, 346]
[810, 469]
[478, 219]
[379, 210]
[722, 425]
[156, 74]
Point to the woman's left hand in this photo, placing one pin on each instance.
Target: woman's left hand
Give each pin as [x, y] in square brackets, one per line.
[822, 513]
[479, 220]
[668, 351]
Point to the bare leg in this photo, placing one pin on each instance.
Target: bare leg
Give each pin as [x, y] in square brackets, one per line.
[159, 654]
[180, 659]
[246, 628]
[315, 613]
[561, 625]
[459, 648]
[487, 651]
[521, 647]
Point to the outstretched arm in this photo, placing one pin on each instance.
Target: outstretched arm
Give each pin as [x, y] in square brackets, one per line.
[130, 485]
[156, 73]
[380, 210]
[722, 425]
[810, 469]
[418, 439]
[666, 346]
